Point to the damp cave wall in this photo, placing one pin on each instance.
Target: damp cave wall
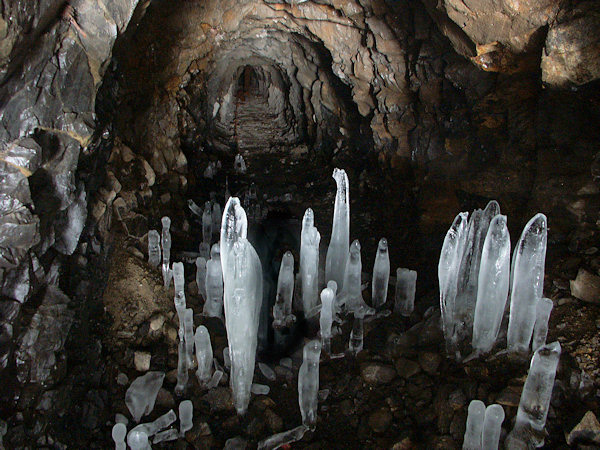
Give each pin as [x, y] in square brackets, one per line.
[500, 101]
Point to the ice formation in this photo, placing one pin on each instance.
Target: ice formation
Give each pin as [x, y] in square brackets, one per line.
[308, 383]
[166, 250]
[282, 310]
[543, 310]
[195, 209]
[355, 344]
[142, 392]
[326, 318]
[119, 432]
[337, 252]
[210, 171]
[164, 436]
[213, 306]
[309, 263]
[234, 226]
[180, 304]
[528, 431]
[138, 440]
[182, 367]
[268, 373]
[188, 333]
[474, 426]
[243, 297]
[226, 358]
[492, 290]
[239, 165]
[201, 276]
[280, 439]
[492, 427]
[154, 254]
[352, 290]
[381, 275]
[207, 222]
[406, 284]
[155, 426]
[186, 415]
[527, 283]
[204, 250]
[260, 389]
[204, 354]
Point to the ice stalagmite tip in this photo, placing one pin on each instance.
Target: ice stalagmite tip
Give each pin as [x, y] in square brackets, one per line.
[309, 263]
[474, 426]
[337, 252]
[166, 250]
[204, 354]
[234, 226]
[282, 310]
[492, 287]
[381, 274]
[326, 318]
[527, 283]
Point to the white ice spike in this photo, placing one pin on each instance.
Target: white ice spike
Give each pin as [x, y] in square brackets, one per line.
[337, 252]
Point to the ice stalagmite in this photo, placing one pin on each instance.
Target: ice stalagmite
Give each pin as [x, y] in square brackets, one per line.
[326, 318]
[543, 310]
[337, 252]
[308, 383]
[450, 257]
[352, 291]
[154, 256]
[243, 298]
[216, 218]
[188, 333]
[406, 284]
[492, 427]
[155, 426]
[309, 263]
[119, 432]
[234, 226]
[182, 367]
[207, 223]
[201, 276]
[355, 344]
[138, 440]
[381, 274]
[474, 427]
[527, 283]
[528, 431]
[204, 354]
[179, 282]
[492, 287]
[186, 415]
[166, 250]
[239, 165]
[282, 310]
[213, 307]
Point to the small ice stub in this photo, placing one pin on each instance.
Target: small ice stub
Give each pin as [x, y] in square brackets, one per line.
[186, 415]
[355, 344]
[268, 373]
[527, 283]
[155, 426]
[543, 310]
[201, 276]
[381, 275]
[280, 439]
[243, 298]
[450, 258]
[474, 426]
[260, 389]
[352, 290]
[142, 392]
[166, 250]
[213, 306]
[337, 251]
[535, 398]
[180, 303]
[309, 263]
[492, 427]
[188, 333]
[239, 165]
[406, 285]
[308, 383]
[204, 355]
[154, 254]
[326, 318]
[182, 367]
[164, 436]
[138, 440]
[119, 432]
[194, 208]
[492, 287]
[207, 223]
[282, 310]
[216, 218]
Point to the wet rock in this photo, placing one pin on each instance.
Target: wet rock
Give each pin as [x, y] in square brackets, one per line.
[586, 432]
[164, 399]
[375, 373]
[219, 399]
[200, 436]
[274, 422]
[141, 361]
[430, 362]
[380, 420]
[510, 396]
[122, 379]
[406, 368]
[586, 286]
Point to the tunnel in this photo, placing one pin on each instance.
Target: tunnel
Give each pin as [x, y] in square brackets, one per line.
[115, 115]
